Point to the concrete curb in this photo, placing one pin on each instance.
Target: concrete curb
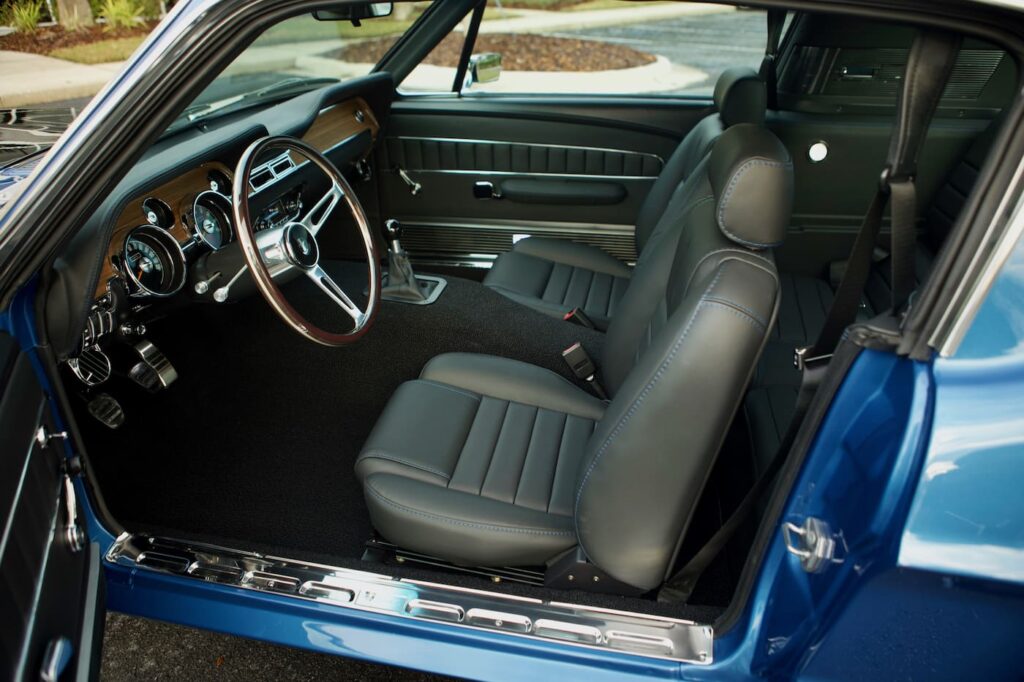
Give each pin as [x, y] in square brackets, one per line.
[27, 79]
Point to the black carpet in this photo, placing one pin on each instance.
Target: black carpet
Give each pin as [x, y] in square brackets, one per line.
[254, 445]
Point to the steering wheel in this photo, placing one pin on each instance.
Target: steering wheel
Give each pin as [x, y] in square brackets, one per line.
[271, 252]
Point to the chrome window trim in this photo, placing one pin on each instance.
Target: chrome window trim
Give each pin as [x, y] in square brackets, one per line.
[634, 634]
[983, 270]
[571, 176]
[528, 144]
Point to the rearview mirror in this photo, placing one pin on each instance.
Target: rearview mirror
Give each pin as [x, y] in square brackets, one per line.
[483, 68]
[355, 12]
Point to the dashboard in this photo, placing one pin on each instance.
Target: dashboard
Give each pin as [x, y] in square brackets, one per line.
[159, 234]
[165, 235]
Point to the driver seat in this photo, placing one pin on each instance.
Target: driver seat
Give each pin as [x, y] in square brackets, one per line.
[484, 460]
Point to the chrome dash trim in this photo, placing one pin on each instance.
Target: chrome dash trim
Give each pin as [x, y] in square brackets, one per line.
[567, 624]
[463, 140]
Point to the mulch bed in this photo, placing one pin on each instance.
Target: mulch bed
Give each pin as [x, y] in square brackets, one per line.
[46, 39]
[519, 52]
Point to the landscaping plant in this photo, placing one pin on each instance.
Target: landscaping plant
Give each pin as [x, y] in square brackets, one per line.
[25, 15]
[121, 13]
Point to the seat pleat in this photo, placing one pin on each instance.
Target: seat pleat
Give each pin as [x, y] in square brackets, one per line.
[510, 451]
[579, 286]
[471, 468]
[619, 286]
[570, 454]
[600, 293]
[558, 283]
[537, 477]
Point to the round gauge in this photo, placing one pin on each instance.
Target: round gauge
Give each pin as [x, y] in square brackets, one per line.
[157, 213]
[211, 213]
[153, 261]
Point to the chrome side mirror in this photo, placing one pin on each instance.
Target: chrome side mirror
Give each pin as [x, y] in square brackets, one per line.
[483, 68]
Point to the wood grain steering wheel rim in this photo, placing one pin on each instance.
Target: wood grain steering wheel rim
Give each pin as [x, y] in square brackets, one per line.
[271, 252]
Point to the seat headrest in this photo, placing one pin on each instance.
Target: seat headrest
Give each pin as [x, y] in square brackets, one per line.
[751, 177]
[741, 96]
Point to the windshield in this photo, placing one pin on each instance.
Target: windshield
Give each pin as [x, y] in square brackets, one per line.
[297, 55]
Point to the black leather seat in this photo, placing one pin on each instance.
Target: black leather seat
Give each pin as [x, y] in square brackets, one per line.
[488, 461]
[554, 276]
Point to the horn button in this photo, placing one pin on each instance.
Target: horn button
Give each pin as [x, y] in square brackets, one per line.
[301, 247]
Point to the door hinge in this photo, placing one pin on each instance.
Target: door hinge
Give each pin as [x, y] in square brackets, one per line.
[814, 544]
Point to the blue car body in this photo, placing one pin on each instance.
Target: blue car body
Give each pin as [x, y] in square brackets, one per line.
[917, 467]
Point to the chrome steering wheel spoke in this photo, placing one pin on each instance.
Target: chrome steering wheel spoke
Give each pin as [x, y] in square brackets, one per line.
[317, 216]
[336, 293]
[271, 253]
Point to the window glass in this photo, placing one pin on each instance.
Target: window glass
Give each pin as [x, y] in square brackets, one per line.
[301, 53]
[615, 46]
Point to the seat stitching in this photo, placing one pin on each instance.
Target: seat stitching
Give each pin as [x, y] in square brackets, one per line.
[380, 454]
[716, 252]
[526, 457]
[465, 440]
[458, 522]
[637, 402]
[453, 389]
[727, 195]
[726, 303]
[558, 460]
[494, 446]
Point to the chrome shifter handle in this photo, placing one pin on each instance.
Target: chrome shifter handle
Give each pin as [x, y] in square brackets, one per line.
[393, 232]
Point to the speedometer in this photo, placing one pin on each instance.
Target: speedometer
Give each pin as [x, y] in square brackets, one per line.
[211, 213]
[153, 261]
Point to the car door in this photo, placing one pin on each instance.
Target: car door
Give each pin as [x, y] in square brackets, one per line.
[51, 599]
[473, 160]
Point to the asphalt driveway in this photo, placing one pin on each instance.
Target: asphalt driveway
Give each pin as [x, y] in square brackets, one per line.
[139, 649]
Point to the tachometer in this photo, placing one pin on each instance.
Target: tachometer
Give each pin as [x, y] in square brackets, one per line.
[211, 213]
[153, 261]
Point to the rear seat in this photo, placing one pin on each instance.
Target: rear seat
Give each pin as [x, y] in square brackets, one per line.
[805, 303]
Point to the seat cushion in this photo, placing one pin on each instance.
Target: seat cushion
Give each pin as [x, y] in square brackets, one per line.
[477, 461]
[554, 276]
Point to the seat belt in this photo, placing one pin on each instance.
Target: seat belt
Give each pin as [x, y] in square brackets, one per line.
[776, 19]
[929, 65]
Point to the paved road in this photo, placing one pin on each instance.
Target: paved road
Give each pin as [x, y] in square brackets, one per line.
[711, 42]
[138, 649]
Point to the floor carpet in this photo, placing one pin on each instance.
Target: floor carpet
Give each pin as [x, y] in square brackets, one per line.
[254, 445]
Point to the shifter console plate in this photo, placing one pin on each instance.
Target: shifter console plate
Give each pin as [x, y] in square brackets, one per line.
[430, 286]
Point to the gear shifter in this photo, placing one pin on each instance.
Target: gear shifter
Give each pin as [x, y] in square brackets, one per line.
[400, 282]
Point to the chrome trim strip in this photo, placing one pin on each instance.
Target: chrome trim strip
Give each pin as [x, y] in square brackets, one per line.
[463, 140]
[987, 263]
[573, 625]
[609, 229]
[574, 176]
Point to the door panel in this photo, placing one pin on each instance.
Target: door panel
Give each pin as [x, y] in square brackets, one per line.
[568, 168]
[50, 593]
[833, 195]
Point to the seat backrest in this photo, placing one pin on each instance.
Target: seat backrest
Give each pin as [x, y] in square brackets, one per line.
[680, 352]
[740, 97]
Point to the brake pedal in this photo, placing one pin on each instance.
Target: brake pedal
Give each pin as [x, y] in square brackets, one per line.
[107, 410]
[154, 371]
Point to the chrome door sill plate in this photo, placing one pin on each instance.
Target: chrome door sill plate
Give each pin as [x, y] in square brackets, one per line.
[619, 631]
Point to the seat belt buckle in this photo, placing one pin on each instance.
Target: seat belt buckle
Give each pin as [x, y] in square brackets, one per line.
[577, 316]
[583, 367]
[802, 360]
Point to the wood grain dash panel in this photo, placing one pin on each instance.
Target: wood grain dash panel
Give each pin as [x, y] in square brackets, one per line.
[178, 194]
[340, 122]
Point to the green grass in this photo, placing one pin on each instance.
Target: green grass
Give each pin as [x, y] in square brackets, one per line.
[610, 4]
[112, 50]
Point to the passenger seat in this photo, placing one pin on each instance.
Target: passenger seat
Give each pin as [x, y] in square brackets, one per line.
[556, 276]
